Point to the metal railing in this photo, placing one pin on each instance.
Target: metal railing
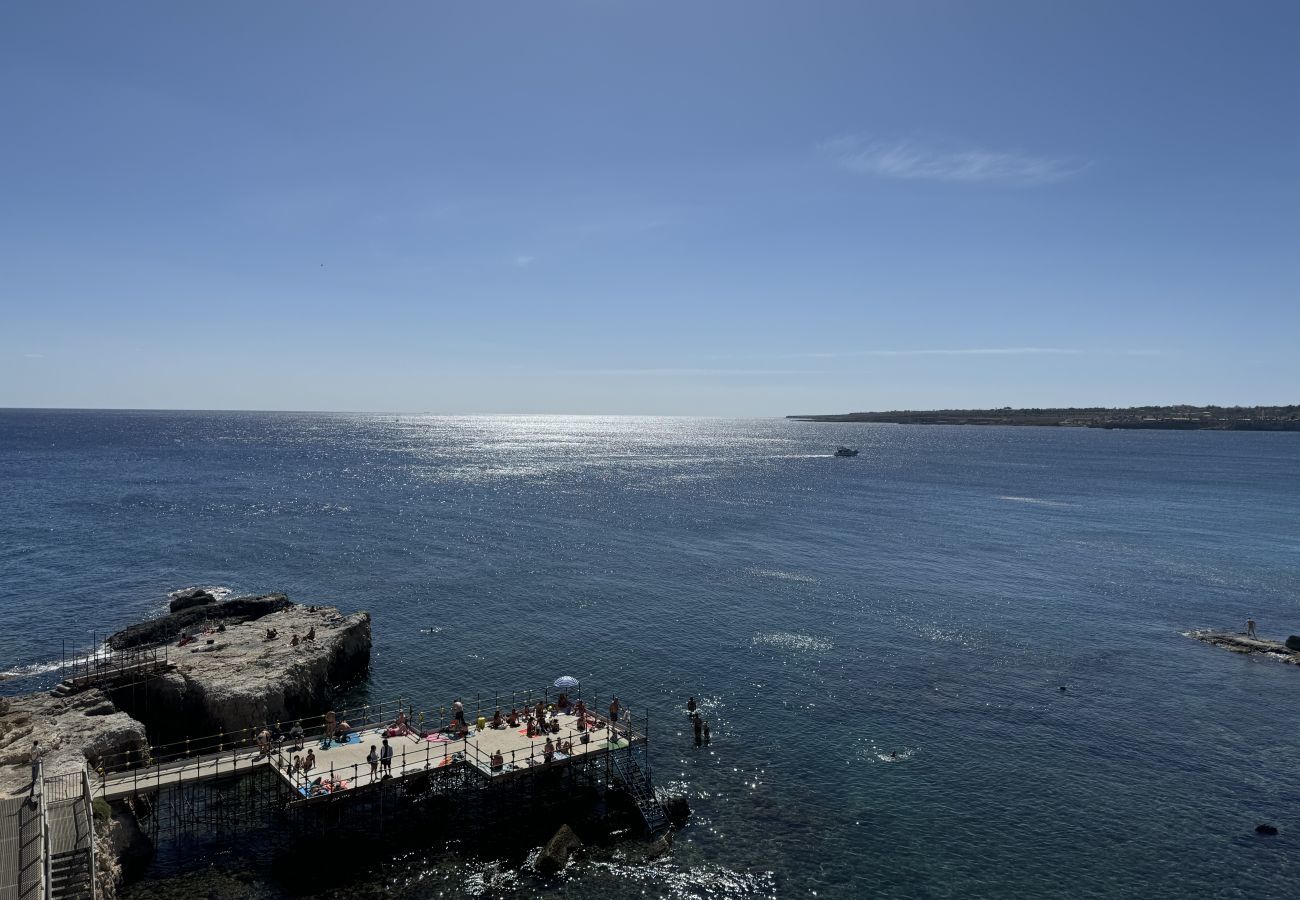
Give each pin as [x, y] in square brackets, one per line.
[89, 807]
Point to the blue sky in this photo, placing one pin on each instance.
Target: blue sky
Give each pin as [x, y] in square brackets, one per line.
[609, 207]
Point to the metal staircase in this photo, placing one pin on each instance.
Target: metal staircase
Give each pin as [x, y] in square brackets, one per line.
[633, 769]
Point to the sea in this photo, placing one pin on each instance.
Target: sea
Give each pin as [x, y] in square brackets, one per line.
[953, 666]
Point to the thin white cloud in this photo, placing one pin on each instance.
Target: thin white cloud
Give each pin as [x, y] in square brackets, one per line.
[964, 351]
[33, 356]
[523, 260]
[907, 160]
[744, 373]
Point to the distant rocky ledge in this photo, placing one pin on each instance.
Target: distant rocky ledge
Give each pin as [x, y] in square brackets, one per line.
[1177, 418]
[1286, 651]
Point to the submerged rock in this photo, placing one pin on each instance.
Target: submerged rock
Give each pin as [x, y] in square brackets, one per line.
[1266, 829]
[555, 855]
[190, 597]
[679, 810]
[1293, 642]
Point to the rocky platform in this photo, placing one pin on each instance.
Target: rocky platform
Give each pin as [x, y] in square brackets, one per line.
[236, 678]
[1288, 651]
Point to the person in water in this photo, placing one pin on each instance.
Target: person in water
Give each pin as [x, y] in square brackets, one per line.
[699, 730]
[706, 733]
[690, 705]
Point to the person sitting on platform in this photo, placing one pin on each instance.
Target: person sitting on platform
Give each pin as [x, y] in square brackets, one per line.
[540, 711]
[562, 701]
[463, 731]
[310, 762]
[297, 764]
[580, 709]
[344, 729]
[554, 726]
[548, 752]
[296, 735]
[498, 761]
[582, 723]
[497, 721]
[513, 719]
[566, 747]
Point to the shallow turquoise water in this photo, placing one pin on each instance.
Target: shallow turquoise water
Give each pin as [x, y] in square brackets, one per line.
[929, 597]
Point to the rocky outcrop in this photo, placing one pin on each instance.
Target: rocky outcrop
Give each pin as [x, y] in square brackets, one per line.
[69, 732]
[555, 855]
[190, 597]
[1240, 643]
[236, 679]
[195, 618]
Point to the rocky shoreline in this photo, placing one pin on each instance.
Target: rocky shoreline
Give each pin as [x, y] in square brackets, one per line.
[1287, 651]
[227, 676]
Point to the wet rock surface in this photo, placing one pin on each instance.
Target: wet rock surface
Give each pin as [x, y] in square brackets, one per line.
[190, 597]
[558, 850]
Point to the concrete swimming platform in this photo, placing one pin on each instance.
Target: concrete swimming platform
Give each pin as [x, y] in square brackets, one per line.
[189, 725]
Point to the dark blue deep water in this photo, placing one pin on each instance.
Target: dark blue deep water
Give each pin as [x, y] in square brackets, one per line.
[929, 597]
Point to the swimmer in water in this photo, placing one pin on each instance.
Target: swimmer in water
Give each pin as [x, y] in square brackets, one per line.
[893, 754]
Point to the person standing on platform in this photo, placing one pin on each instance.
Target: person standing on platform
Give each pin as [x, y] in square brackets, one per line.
[331, 724]
[613, 719]
[386, 758]
[373, 758]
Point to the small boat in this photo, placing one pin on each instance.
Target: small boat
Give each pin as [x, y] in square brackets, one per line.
[845, 451]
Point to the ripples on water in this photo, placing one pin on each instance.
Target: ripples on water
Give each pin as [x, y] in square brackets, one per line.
[929, 598]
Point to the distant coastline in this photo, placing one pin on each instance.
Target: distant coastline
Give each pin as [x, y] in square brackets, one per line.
[1177, 418]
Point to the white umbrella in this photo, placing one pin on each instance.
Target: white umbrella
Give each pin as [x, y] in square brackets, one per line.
[566, 682]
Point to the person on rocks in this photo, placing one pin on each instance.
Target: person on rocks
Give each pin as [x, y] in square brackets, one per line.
[386, 758]
[311, 634]
[1250, 628]
[294, 641]
[271, 634]
[373, 758]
